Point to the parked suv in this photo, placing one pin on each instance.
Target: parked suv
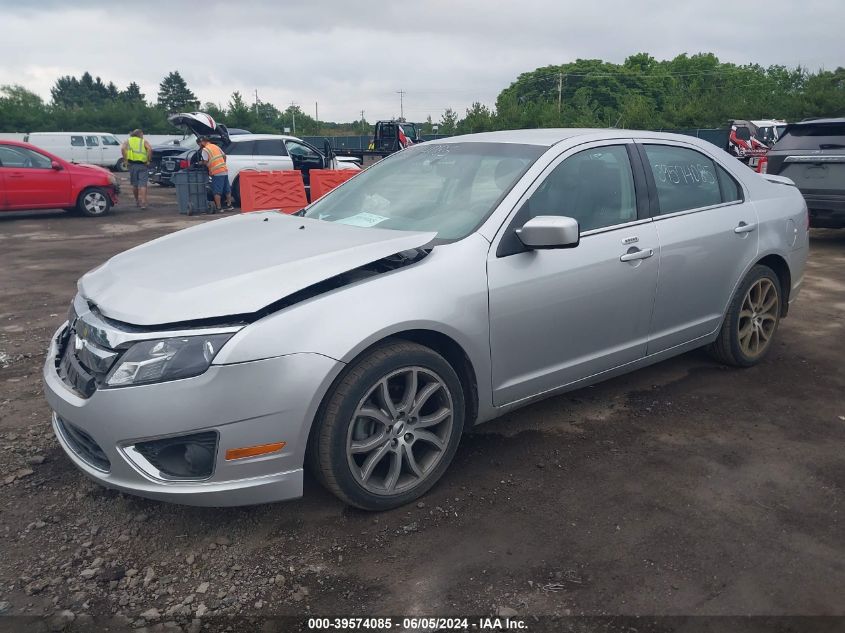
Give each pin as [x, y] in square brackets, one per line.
[812, 154]
[31, 178]
[257, 152]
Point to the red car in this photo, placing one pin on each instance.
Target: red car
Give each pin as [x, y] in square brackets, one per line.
[31, 178]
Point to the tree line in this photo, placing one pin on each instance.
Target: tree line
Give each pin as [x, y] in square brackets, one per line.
[642, 92]
[88, 103]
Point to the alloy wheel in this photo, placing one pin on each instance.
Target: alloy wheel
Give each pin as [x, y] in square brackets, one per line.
[758, 317]
[95, 203]
[400, 431]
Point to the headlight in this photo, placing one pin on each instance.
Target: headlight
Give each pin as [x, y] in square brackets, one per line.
[166, 359]
[113, 179]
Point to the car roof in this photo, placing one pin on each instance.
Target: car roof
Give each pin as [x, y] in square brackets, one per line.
[18, 144]
[820, 120]
[71, 133]
[238, 138]
[551, 136]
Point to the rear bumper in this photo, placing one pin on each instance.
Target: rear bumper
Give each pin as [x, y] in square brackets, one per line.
[826, 210]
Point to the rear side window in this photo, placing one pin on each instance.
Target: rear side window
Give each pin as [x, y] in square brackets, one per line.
[240, 149]
[92, 141]
[731, 191]
[77, 141]
[270, 147]
[813, 136]
[685, 179]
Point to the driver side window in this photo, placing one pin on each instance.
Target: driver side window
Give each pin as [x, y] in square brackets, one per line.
[22, 157]
[595, 187]
[301, 151]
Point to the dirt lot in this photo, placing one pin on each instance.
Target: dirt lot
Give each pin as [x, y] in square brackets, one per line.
[684, 489]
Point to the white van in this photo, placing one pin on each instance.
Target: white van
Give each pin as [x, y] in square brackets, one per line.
[93, 148]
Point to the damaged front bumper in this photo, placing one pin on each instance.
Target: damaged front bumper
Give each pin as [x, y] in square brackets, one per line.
[107, 435]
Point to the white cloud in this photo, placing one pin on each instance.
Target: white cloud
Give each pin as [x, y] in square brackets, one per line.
[354, 56]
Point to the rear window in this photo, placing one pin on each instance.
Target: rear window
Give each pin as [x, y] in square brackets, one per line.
[813, 136]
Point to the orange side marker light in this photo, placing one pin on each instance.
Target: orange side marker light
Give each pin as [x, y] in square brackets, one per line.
[253, 451]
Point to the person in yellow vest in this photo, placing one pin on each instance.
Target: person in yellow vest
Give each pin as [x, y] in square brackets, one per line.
[215, 161]
[137, 154]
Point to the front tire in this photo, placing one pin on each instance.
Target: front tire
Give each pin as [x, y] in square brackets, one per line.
[94, 202]
[751, 321]
[389, 427]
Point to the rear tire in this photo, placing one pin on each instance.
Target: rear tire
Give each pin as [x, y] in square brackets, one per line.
[751, 321]
[94, 202]
[236, 192]
[120, 166]
[389, 427]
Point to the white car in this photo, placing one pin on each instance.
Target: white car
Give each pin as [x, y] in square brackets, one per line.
[258, 152]
[91, 148]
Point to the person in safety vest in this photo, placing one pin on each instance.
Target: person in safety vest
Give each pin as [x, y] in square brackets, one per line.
[137, 154]
[215, 161]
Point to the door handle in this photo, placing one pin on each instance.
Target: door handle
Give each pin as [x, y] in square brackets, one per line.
[637, 254]
[15, 175]
[745, 228]
[260, 163]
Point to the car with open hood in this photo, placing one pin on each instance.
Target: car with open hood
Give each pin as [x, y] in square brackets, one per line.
[246, 151]
[444, 286]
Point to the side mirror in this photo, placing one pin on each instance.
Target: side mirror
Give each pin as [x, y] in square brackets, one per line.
[550, 231]
[56, 165]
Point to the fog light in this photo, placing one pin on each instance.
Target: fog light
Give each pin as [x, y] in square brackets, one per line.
[182, 457]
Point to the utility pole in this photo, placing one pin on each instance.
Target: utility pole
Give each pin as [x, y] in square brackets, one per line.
[256, 98]
[363, 129]
[559, 91]
[293, 115]
[316, 113]
[401, 94]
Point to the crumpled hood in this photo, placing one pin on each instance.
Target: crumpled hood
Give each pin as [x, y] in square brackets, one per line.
[231, 266]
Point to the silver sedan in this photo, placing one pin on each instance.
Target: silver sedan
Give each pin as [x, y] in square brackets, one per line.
[448, 284]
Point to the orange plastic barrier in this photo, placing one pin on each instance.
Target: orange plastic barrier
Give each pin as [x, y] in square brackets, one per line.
[262, 190]
[324, 180]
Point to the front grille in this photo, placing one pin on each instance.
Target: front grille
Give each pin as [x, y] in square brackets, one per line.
[81, 363]
[84, 446]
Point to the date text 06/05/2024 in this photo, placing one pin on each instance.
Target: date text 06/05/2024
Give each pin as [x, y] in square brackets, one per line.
[489, 623]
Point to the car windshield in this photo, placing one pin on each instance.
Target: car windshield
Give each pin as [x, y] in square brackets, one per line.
[448, 188]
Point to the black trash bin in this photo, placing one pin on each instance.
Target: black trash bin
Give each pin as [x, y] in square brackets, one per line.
[191, 190]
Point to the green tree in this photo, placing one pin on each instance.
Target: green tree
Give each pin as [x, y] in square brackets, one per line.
[478, 119]
[21, 110]
[132, 94]
[174, 94]
[448, 122]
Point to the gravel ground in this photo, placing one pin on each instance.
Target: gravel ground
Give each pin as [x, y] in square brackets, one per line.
[683, 489]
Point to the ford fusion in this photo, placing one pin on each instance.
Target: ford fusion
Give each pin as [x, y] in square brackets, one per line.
[446, 285]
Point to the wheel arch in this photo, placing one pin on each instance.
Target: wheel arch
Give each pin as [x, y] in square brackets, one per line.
[443, 344]
[781, 268]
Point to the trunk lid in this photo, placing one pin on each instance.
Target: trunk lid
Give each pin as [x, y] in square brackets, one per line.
[233, 266]
[201, 124]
